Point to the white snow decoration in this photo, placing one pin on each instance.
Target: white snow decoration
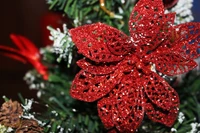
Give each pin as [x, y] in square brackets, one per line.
[30, 116]
[173, 130]
[183, 11]
[181, 117]
[74, 110]
[76, 21]
[49, 1]
[9, 130]
[62, 43]
[48, 126]
[153, 68]
[28, 104]
[61, 130]
[29, 77]
[3, 96]
[54, 112]
[3, 129]
[39, 94]
[194, 127]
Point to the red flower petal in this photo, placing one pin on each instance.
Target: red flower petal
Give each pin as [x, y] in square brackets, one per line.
[124, 107]
[171, 63]
[170, 17]
[105, 106]
[118, 42]
[93, 40]
[89, 87]
[162, 116]
[96, 68]
[187, 41]
[112, 131]
[128, 110]
[160, 92]
[146, 23]
[167, 33]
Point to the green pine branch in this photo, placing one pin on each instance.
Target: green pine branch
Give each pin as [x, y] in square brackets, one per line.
[89, 11]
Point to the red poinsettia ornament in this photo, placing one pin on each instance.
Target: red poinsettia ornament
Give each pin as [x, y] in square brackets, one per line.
[27, 52]
[123, 72]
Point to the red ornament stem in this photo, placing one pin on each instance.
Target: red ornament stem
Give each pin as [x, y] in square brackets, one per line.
[11, 55]
[27, 52]
[24, 44]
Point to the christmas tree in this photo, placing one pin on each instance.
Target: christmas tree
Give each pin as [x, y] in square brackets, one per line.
[115, 66]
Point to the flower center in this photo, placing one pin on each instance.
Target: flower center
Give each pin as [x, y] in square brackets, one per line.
[140, 63]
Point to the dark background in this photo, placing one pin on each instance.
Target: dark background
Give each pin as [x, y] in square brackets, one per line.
[23, 17]
[20, 17]
[196, 10]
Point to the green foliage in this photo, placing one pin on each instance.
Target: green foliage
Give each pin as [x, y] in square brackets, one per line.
[89, 11]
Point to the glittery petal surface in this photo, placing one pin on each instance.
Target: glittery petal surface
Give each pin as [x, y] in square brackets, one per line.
[170, 17]
[160, 92]
[128, 110]
[96, 68]
[145, 24]
[118, 42]
[105, 106]
[168, 33]
[187, 41]
[93, 41]
[114, 130]
[157, 114]
[170, 63]
[124, 107]
[89, 87]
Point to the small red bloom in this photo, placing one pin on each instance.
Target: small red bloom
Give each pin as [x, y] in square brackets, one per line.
[27, 52]
[122, 72]
[169, 3]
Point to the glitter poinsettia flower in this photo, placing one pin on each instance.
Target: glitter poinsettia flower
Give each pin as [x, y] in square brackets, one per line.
[27, 52]
[125, 73]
